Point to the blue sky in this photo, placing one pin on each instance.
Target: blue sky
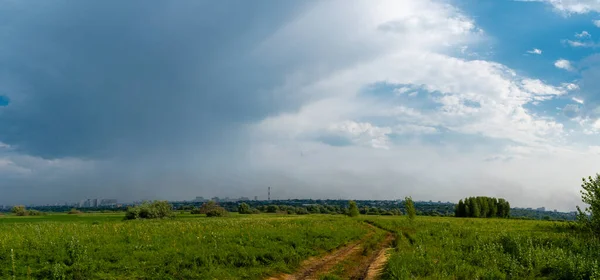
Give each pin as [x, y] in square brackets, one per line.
[438, 99]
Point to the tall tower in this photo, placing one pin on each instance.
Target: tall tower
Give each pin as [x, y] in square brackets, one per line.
[269, 194]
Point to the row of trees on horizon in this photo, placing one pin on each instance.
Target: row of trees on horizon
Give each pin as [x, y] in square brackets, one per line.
[483, 207]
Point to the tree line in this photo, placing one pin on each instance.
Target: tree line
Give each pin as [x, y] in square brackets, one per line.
[483, 207]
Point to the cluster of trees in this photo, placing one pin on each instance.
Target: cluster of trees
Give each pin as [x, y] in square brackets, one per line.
[20, 210]
[483, 207]
[153, 210]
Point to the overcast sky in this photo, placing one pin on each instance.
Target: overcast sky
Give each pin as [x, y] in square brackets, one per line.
[438, 100]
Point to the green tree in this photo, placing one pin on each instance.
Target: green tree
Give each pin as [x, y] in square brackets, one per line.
[154, 210]
[409, 205]
[590, 195]
[243, 208]
[459, 211]
[353, 209]
[19, 210]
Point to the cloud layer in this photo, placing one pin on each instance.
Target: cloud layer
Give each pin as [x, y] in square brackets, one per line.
[315, 99]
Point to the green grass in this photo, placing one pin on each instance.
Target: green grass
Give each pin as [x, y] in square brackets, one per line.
[462, 248]
[103, 246]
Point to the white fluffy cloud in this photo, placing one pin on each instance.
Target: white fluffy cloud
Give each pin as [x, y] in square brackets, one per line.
[583, 34]
[574, 6]
[564, 64]
[468, 98]
[535, 51]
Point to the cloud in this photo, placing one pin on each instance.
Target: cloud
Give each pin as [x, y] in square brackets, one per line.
[574, 6]
[195, 98]
[535, 51]
[362, 133]
[564, 64]
[596, 22]
[580, 44]
[583, 34]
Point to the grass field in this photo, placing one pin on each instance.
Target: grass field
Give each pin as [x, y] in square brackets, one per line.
[189, 247]
[463, 248]
[103, 246]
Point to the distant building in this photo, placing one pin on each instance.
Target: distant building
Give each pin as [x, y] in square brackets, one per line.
[108, 202]
[200, 199]
[541, 209]
[255, 197]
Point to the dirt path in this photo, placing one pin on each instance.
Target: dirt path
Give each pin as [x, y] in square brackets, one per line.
[379, 260]
[352, 261]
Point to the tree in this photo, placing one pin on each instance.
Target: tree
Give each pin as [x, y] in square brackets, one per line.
[19, 210]
[590, 195]
[243, 208]
[353, 209]
[273, 209]
[482, 207]
[410, 208]
[154, 210]
[460, 209]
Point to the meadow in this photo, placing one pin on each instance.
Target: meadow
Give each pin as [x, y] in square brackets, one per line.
[104, 246]
[469, 248]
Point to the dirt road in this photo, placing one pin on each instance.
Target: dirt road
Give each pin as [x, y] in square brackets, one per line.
[359, 260]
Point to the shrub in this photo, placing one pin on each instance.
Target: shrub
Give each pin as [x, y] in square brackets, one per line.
[217, 212]
[154, 210]
[211, 209]
[35, 213]
[74, 211]
[590, 217]
[410, 208]
[243, 208]
[272, 209]
[19, 210]
[205, 208]
[352, 209]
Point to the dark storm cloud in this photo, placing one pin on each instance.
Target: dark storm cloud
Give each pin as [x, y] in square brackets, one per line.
[97, 79]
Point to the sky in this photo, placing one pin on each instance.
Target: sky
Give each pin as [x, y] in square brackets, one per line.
[434, 99]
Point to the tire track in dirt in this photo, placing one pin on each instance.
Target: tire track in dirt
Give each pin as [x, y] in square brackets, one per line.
[378, 261]
[362, 266]
[314, 266]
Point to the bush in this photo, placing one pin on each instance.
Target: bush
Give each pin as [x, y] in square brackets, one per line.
[243, 208]
[217, 212]
[272, 209]
[74, 211]
[590, 217]
[352, 209]
[410, 208]
[154, 210]
[211, 209]
[19, 210]
[35, 213]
